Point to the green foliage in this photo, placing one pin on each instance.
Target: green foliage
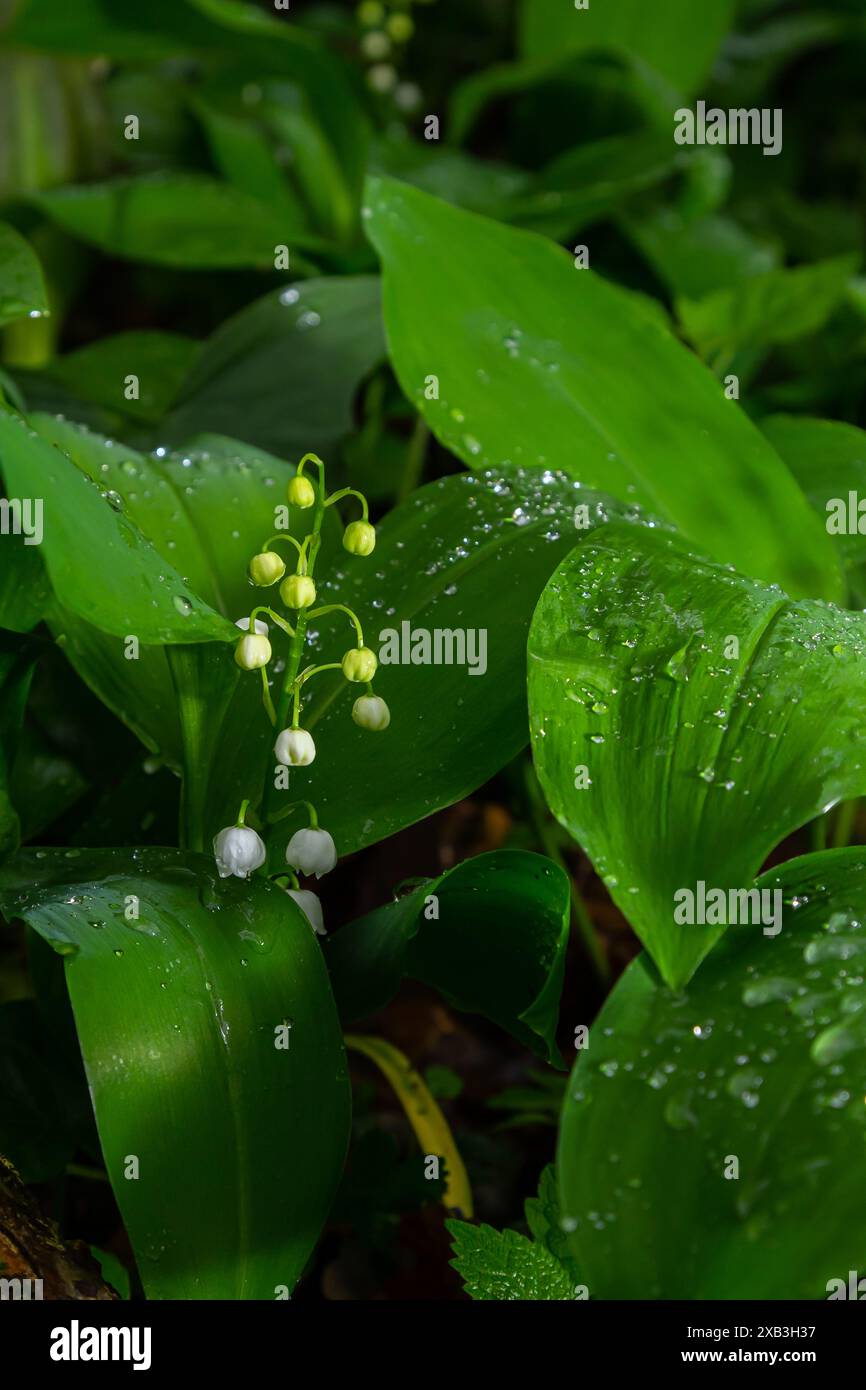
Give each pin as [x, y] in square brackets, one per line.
[465, 934]
[181, 985]
[505, 1265]
[760, 1060]
[599, 380]
[633, 670]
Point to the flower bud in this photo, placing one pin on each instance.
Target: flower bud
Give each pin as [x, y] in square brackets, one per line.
[311, 852]
[253, 651]
[266, 568]
[298, 591]
[301, 492]
[295, 748]
[371, 712]
[261, 626]
[311, 908]
[359, 538]
[359, 664]
[238, 850]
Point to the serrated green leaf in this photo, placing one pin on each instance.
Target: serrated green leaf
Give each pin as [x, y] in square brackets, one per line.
[504, 1265]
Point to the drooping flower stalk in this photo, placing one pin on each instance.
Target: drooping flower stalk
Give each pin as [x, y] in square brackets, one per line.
[310, 850]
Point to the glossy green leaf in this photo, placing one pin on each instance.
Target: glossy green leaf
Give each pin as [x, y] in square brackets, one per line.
[490, 935]
[22, 289]
[678, 39]
[828, 459]
[179, 1011]
[282, 374]
[169, 219]
[99, 563]
[762, 1062]
[711, 714]
[552, 367]
[777, 307]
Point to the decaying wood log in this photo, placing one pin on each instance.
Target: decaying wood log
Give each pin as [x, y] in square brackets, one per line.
[31, 1250]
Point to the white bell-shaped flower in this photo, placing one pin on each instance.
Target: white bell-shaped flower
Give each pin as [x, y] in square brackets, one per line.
[295, 748]
[311, 907]
[371, 712]
[311, 852]
[238, 850]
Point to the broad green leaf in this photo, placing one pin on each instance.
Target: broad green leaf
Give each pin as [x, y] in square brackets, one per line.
[552, 367]
[760, 1062]
[679, 39]
[99, 563]
[179, 1011]
[490, 935]
[711, 715]
[282, 374]
[182, 219]
[467, 557]
[776, 307]
[99, 374]
[22, 289]
[828, 459]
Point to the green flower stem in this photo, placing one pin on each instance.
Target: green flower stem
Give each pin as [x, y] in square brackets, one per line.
[274, 617]
[340, 608]
[242, 813]
[287, 811]
[316, 670]
[313, 458]
[296, 650]
[266, 697]
[284, 536]
[350, 492]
